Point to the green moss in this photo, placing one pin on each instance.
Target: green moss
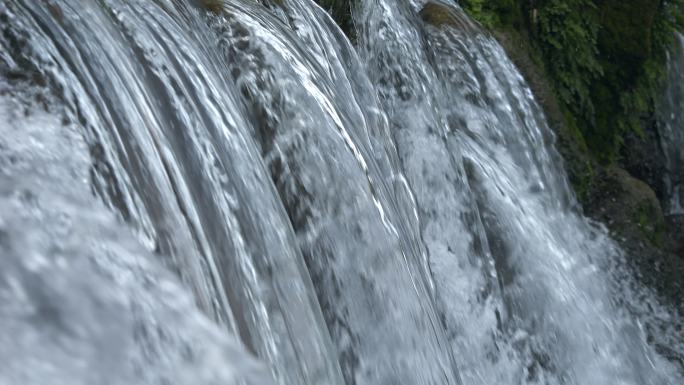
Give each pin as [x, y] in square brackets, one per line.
[651, 225]
[598, 73]
[567, 33]
[493, 13]
[605, 58]
[579, 164]
[626, 29]
[597, 67]
[629, 207]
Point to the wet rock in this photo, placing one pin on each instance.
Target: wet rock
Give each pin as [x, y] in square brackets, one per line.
[632, 212]
[628, 206]
[341, 12]
[440, 15]
[675, 234]
[642, 156]
[215, 6]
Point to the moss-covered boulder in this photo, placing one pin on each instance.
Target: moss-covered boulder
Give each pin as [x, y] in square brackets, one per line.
[441, 15]
[630, 209]
[437, 15]
[215, 6]
[628, 206]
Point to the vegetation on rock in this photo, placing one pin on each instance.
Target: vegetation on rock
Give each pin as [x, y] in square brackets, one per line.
[438, 15]
[598, 69]
[604, 61]
[606, 58]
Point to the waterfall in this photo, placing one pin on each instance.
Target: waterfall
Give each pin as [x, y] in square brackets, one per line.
[671, 130]
[173, 153]
[455, 99]
[83, 301]
[230, 191]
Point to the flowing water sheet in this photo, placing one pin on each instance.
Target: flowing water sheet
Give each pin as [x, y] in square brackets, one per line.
[383, 212]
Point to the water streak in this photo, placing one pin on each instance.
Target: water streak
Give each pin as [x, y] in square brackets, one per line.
[387, 212]
[671, 130]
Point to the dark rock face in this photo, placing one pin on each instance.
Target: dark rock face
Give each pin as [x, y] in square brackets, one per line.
[675, 235]
[626, 30]
[628, 206]
[653, 243]
[642, 156]
[341, 12]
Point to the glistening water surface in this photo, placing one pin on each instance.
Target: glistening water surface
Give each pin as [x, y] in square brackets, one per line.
[386, 211]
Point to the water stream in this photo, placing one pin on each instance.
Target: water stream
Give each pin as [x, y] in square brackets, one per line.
[232, 192]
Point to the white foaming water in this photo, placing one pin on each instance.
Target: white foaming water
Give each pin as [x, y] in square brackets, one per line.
[453, 97]
[392, 215]
[82, 301]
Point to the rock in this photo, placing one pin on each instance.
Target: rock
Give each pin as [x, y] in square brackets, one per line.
[341, 12]
[675, 235]
[440, 15]
[627, 195]
[628, 206]
[643, 157]
[632, 212]
[215, 6]
[626, 29]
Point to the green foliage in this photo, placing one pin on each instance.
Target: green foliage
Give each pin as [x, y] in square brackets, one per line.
[639, 90]
[604, 58]
[491, 13]
[477, 10]
[567, 33]
[670, 19]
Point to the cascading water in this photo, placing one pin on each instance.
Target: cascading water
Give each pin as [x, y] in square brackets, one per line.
[173, 153]
[392, 212]
[453, 96]
[671, 130]
[82, 301]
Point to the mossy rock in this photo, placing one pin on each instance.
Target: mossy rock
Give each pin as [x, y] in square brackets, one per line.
[442, 15]
[629, 43]
[214, 6]
[628, 206]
